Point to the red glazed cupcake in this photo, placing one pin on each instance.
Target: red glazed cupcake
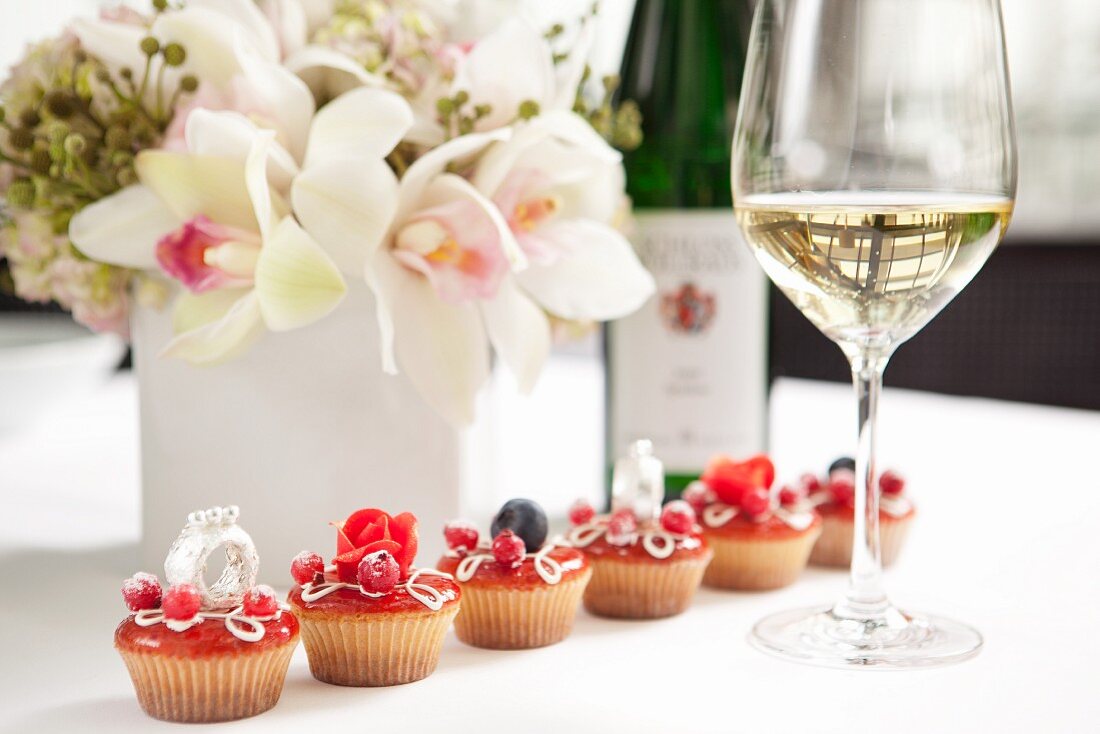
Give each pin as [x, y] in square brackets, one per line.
[198, 654]
[761, 539]
[646, 562]
[836, 503]
[519, 591]
[371, 619]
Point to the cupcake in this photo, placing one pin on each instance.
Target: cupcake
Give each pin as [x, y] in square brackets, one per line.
[647, 562]
[519, 591]
[761, 539]
[370, 618]
[835, 501]
[199, 654]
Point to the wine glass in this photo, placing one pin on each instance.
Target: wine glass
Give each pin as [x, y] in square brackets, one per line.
[874, 172]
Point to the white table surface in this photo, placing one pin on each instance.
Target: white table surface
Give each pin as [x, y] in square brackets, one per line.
[1005, 539]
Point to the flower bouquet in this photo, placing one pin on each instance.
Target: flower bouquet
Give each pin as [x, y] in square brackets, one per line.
[247, 160]
[310, 194]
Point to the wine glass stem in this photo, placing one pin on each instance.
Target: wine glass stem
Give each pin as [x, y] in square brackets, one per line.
[865, 599]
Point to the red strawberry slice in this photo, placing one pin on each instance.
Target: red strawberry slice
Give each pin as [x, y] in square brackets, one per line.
[403, 529]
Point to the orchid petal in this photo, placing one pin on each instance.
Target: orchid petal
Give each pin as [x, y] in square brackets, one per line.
[221, 340]
[296, 282]
[520, 333]
[598, 276]
[448, 186]
[195, 310]
[585, 146]
[191, 185]
[255, 180]
[434, 162]
[208, 39]
[330, 73]
[570, 72]
[364, 123]
[288, 18]
[245, 14]
[442, 347]
[118, 45]
[347, 206]
[230, 135]
[510, 66]
[280, 95]
[123, 229]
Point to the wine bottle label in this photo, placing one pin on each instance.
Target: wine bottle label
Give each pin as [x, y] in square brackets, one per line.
[688, 370]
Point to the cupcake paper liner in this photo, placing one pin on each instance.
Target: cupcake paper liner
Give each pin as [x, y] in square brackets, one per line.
[643, 589]
[755, 564]
[206, 690]
[518, 619]
[374, 649]
[834, 547]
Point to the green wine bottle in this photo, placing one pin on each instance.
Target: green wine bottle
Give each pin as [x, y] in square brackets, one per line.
[688, 371]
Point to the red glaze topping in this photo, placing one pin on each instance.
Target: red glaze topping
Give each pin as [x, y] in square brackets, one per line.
[206, 639]
[692, 546]
[350, 601]
[492, 573]
[771, 528]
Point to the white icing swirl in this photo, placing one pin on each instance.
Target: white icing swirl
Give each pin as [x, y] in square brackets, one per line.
[895, 506]
[252, 631]
[717, 514]
[656, 541]
[548, 569]
[429, 596]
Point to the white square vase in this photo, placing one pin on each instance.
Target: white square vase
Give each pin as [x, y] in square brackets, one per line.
[306, 428]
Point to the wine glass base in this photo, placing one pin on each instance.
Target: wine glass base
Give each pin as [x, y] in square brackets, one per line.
[896, 641]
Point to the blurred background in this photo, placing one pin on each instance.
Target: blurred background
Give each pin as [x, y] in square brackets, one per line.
[1017, 334]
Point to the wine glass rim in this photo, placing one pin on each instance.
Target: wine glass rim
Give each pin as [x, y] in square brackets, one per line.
[863, 198]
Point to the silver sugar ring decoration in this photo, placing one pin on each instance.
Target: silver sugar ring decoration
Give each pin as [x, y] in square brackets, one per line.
[206, 531]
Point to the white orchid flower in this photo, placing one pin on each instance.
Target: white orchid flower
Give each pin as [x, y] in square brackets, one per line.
[559, 186]
[437, 254]
[515, 64]
[217, 225]
[234, 52]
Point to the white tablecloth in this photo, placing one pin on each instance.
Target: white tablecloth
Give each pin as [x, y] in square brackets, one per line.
[1005, 539]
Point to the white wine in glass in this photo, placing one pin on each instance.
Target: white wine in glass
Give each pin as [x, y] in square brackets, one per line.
[874, 173]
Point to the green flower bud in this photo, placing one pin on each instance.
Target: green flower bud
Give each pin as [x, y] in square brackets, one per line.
[444, 106]
[174, 54]
[102, 75]
[57, 132]
[611, 83]
[150, 46]
[465, 126]
[528, 108]
[75, 144]
[126, 177]
[41, 161]
[462, 97]
[21, 194]
[482, 110]
[126, 73]
[118, 138]
[60, 104]
[160, 5]
[21, 138]
[189, 84]
[30, 118]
